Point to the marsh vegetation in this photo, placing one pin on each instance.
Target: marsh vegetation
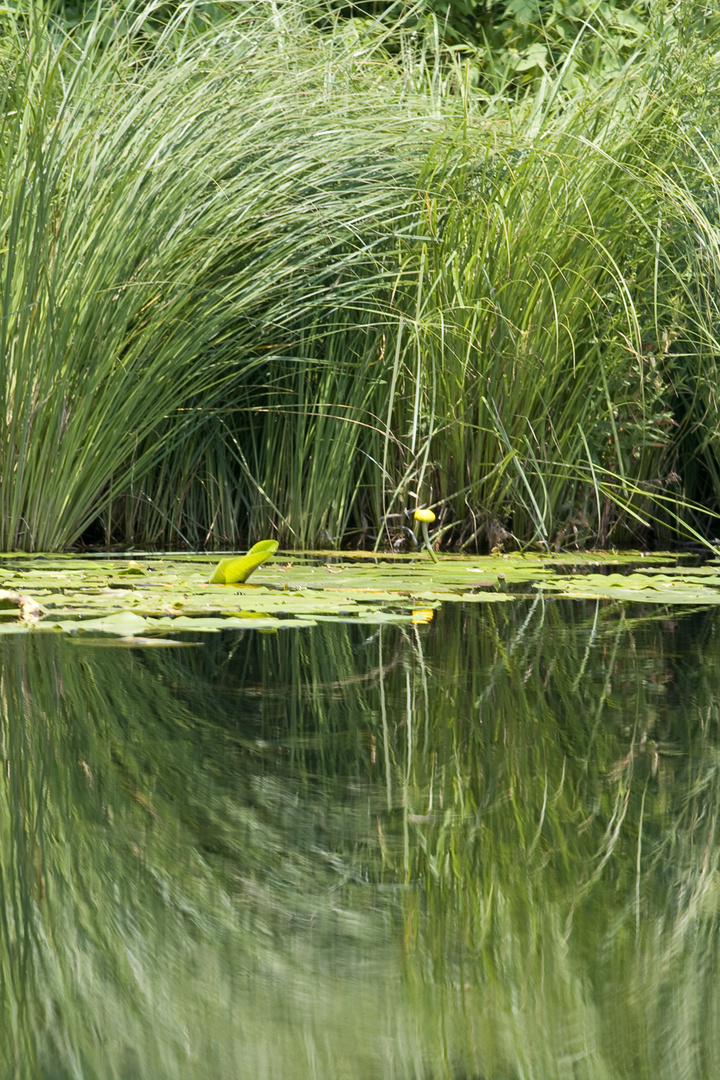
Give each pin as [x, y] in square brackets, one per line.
[274, 271]
[294, 270]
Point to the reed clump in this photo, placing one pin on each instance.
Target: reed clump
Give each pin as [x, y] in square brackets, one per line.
[264, 278]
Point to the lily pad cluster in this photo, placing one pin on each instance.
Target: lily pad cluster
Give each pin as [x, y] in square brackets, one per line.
[151, 597]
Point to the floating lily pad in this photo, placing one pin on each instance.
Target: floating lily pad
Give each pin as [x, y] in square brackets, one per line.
[122, 623]
[651, 587]
[133, 642]
[150, 597]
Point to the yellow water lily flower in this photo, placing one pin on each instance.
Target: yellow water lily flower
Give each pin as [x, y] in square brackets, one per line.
[426, 517]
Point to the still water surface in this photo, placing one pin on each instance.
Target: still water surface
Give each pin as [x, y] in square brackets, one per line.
[481, 849]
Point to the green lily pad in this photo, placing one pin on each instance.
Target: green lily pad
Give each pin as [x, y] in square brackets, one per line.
[123, 623]
[150, 597]
[639, 587]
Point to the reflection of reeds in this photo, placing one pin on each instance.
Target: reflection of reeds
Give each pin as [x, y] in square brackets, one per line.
[561, 839]
[156, 918]
[503, 839]
[543, 796]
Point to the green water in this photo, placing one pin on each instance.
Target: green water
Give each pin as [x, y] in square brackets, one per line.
[479, 848]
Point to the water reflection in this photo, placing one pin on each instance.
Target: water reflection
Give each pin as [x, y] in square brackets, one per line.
[482, 848]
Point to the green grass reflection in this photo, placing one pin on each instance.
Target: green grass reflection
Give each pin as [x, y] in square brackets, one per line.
[481, 848]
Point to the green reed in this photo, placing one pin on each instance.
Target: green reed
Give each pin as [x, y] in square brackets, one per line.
[540, 362]
[268, 278]
[169, 220]
[558, 341]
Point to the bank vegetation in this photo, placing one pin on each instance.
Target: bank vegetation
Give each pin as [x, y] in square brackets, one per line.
[266, 272]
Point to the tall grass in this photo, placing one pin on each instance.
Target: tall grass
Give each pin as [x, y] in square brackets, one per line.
[266, 279]
[168, 221]
[532, 388]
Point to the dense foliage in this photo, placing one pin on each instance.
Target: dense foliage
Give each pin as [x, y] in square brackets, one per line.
[276, 271]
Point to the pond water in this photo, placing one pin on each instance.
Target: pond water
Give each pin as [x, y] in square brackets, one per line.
[479, 848]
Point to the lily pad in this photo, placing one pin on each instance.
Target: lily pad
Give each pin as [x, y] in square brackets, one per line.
[651, 587]
[123, 623]
[153, 596]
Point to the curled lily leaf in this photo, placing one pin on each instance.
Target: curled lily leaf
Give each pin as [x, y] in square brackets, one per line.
[237, 570]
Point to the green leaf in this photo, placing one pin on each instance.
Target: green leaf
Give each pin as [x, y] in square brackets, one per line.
[236, 571]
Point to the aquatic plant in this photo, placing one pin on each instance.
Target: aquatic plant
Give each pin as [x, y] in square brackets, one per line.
[540, 366]
[426, 517]
[265, 279]
[236, 570]
[176, 217]
[158, 598]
